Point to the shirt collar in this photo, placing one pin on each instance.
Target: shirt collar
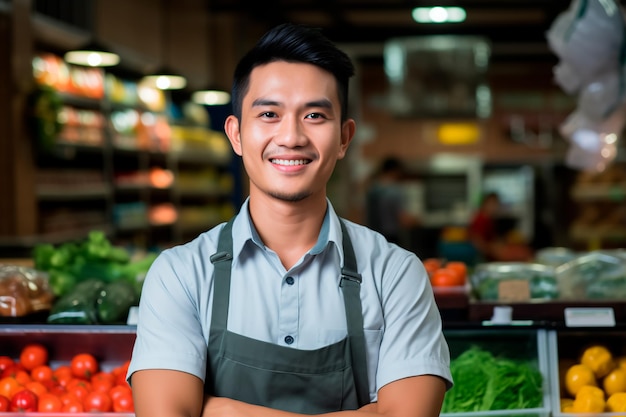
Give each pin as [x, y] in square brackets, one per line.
[244, 231]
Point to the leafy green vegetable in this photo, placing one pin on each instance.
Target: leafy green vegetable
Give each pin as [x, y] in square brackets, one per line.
[92, 258]
[483, 382]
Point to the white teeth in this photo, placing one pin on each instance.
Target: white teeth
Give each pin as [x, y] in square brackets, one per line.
[290, 161]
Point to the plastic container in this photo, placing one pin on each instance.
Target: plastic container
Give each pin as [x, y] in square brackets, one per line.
[565, 349]
[111, 345]
[529, 345]
[593, 276]
[490, 281]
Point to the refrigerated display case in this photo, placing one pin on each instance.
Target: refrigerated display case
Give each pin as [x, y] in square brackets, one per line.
[569, 347]
[499, 371]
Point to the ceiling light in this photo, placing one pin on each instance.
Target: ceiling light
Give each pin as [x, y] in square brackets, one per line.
[92, 55]
[165, 79]
[211, 97]
[438, 14]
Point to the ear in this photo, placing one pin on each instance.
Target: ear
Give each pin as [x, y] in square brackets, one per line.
[231, 127]
[348, 128]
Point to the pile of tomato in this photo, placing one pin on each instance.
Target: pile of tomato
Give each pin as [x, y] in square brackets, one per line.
[31, 384]
[446, 273]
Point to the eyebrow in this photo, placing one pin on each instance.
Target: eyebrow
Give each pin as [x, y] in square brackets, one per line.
[322, 103]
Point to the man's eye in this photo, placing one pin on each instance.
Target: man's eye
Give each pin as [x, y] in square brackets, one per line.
[268, 114]
[315, 116]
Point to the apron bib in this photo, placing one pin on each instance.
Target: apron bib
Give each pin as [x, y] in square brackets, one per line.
[316, 381]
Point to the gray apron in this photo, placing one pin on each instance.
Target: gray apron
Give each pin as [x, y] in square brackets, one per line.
[323, 380]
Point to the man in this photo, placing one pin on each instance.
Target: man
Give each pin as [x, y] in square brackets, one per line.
[289, 310]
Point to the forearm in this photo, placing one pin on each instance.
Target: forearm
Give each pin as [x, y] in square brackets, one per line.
[224, 407]
[396, 399]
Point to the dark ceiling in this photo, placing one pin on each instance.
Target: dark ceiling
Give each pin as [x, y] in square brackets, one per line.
[515, 28]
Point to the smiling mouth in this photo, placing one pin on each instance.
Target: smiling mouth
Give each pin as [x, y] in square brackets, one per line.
[289, 162]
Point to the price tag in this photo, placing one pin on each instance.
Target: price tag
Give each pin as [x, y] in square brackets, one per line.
[589, 317]
[513, 290]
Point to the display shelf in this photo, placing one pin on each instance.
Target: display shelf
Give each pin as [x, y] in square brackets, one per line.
[73, 192]
[552, 311]
[527, 345]
[111, 345]
[565, 349]
[610, 192]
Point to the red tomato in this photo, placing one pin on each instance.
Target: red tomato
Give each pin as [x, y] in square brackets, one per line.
[5, 362]
[9, 386]
[123, 402]
[62, 371]
[78, 388]
[97, 401]
[102, 381]
[49, 403]
[68, 398]
[72, 406]
[33, 355]
[431, 265]
[37, 387]
[84, 365]
[119, 390]
[444, 277]
[460, 267]
[24, 401]
[22, 377]
[41, 373]
[5, 403]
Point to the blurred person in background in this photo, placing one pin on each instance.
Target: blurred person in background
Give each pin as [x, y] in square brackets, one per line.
[490, 244]
[386, 204]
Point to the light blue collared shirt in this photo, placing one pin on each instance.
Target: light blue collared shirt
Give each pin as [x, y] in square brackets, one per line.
[402, 324]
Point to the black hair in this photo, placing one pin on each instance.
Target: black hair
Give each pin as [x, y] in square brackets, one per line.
[294, 43]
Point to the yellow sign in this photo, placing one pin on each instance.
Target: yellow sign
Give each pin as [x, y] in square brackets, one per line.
[458, 133]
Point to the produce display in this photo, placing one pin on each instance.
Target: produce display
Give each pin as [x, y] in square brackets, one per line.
[486, 382]
[538, 281]
[444, 273]
[31, 384]
[92, 281]
[594, 275]
[595, 383]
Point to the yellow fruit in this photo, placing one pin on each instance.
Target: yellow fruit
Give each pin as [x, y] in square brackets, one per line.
[615, 381]
[589, 399]
[566, 405]
[599, 359]
[616, 403]
[578, 376]
[620, 362]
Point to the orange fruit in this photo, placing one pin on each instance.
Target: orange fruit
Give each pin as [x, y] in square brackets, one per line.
[599, 359]
[615, 381]
[578, 376]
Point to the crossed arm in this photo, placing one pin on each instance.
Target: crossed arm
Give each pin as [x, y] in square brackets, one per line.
[165, 393]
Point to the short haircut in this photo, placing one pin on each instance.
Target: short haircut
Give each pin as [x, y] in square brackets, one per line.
[298, 44]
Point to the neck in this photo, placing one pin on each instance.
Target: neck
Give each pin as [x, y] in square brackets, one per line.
[288, 228]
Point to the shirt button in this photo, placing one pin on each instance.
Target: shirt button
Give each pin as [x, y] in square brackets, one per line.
[290, 280]
[288, 340]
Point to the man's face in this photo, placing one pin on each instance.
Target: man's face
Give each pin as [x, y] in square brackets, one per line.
[290, 135]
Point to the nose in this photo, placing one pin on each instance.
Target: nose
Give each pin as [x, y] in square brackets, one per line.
[291, 132]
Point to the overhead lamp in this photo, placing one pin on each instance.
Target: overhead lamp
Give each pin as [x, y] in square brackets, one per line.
[92, 55]
[438, 14]
[211, 97]
[165, 79]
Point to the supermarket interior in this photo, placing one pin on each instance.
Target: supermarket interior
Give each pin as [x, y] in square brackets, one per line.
[102, 166]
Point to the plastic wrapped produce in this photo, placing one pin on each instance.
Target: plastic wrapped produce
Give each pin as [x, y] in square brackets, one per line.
[23, 291]
[595, 275]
